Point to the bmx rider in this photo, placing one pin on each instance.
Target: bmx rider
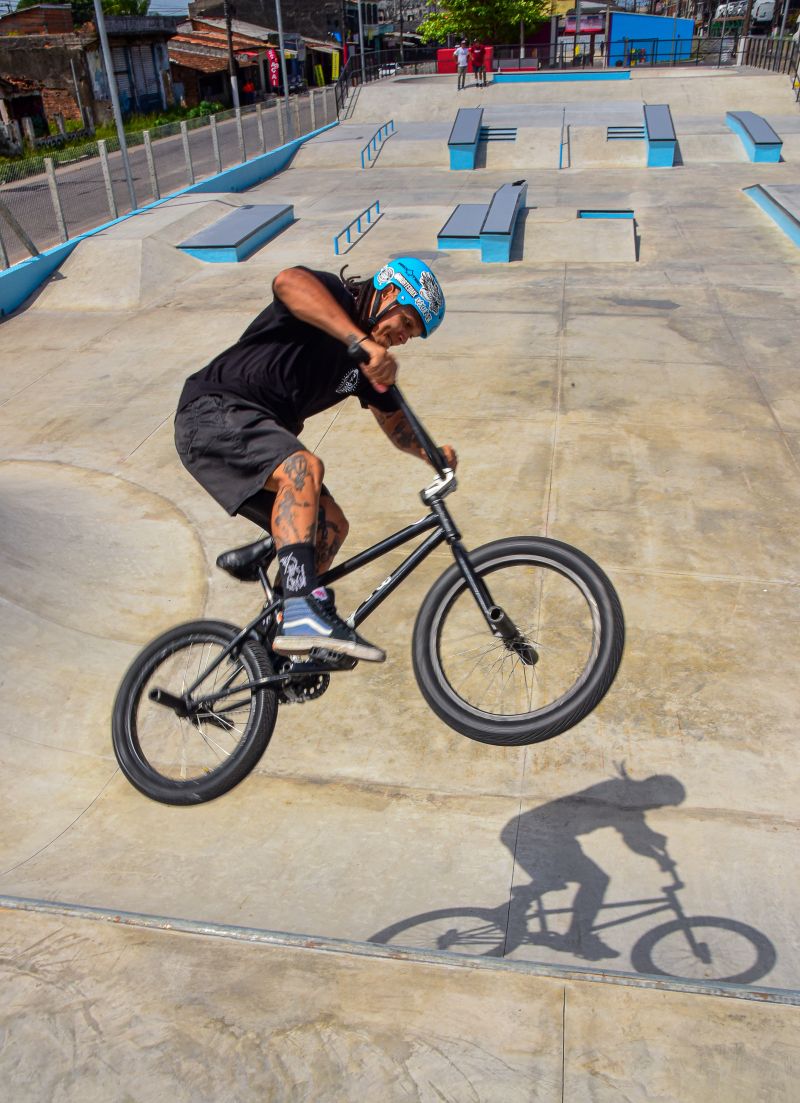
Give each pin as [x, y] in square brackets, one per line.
[239, 418]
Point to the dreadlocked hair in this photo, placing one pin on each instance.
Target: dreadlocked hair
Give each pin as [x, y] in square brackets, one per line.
[362, 291]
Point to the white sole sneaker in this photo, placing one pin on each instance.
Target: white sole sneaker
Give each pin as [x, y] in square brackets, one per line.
[301, 645]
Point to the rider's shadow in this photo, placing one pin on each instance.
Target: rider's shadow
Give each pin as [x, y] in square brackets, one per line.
[545, 845]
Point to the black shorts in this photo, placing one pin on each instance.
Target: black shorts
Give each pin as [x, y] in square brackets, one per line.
[232, 447]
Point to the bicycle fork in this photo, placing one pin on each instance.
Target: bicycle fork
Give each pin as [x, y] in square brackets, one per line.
[701, 950]
[499, 622]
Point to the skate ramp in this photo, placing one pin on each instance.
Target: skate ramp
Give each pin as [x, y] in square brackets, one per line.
[321, 1018]
[533, 148]
[104, 273]
[338, 148]
[553, 235]
[646, 412]
[589, 147]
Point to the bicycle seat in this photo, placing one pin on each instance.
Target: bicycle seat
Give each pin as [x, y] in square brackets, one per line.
[244, 563]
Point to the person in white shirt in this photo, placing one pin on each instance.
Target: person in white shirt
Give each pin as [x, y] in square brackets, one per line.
[461, 54]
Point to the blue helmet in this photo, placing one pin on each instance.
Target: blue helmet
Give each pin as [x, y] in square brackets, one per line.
[418, 287]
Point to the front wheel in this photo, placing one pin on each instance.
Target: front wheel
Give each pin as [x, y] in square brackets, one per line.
[705, 948]
[186, 759]
[568, 647]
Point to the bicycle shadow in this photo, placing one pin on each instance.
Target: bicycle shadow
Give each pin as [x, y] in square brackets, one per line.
[545, 844]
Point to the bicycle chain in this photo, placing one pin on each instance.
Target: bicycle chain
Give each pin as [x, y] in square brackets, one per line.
[307, 690]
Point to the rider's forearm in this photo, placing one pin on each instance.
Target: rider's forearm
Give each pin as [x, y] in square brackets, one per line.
[399, 432]
[310, 301]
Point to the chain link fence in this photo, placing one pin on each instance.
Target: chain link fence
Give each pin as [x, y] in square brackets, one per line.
[49, 199]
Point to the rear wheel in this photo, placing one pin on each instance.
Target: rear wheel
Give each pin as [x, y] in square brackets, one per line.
[475, 931]
[188, 759]
[568, 649]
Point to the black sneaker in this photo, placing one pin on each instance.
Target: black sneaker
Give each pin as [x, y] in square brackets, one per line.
[312, 622]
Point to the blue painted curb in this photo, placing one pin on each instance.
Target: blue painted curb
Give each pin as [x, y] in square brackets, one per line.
[20, 281]
[767, 152]
[781, 217]
[543, 78]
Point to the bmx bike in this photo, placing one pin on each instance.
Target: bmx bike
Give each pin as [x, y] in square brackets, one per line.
[516, 642]
[700, 947]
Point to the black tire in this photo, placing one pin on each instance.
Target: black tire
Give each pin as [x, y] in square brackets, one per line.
[178, 760]
[729, 951]
[473, 931]
[567, 609]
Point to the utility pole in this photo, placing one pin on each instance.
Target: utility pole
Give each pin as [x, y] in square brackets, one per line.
[282, 49]
[344, 33]
[231, 62]
[577, 29]
[112, 88]
[783, 21]
[402, 56]
[361, 42]
[746, 20]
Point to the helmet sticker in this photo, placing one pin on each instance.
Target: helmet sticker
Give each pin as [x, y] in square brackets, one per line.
[431, 290]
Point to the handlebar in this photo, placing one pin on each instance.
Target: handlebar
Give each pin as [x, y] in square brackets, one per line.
[424, 440]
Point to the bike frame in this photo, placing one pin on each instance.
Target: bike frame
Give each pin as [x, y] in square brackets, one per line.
[443, 530]
[668, 902]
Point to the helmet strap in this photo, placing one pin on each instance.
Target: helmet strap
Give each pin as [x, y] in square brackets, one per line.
[375, 314]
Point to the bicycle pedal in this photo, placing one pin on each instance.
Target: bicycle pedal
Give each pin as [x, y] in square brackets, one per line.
[334, 660]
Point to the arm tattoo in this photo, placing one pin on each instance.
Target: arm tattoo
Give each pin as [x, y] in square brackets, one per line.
[399, 432]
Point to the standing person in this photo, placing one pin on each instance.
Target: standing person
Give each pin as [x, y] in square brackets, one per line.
[238, 420]
[461, 54]
[478, 55]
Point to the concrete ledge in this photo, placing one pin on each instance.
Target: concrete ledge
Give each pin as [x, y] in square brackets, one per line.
[660, 135]
[100, 1011]
[464, 138]
[321, 943]
[240, 233]
[20, 281]
[758, 138]
[782, 204]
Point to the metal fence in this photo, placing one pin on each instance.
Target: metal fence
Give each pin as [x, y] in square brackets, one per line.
[779, 55]
[623, 53]
[379, 65]
[47, 200]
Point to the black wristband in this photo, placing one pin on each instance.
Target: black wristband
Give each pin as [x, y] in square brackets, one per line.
[354, 348]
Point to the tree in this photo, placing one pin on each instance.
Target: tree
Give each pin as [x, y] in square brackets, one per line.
[83, 10]
[488, 20]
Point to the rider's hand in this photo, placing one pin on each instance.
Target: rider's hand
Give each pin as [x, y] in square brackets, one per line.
[381, 369]
[450, 457]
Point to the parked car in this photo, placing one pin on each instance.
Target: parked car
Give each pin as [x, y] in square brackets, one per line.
[763, 11]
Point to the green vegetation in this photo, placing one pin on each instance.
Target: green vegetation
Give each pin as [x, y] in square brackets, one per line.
[75, 149]
[488, 20]
[83, 10]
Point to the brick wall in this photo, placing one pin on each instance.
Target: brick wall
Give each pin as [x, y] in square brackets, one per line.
[59, 102]
[40, 19]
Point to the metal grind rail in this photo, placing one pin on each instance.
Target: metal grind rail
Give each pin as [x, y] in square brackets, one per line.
[376, 141]
[357, 222]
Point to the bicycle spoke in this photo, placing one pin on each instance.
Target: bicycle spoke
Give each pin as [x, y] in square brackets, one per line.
[552, 615]
[184, 748]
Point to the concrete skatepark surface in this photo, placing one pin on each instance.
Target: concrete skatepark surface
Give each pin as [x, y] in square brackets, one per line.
[644, 410]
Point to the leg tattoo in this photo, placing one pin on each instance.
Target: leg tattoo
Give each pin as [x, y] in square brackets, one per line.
[329, 540]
